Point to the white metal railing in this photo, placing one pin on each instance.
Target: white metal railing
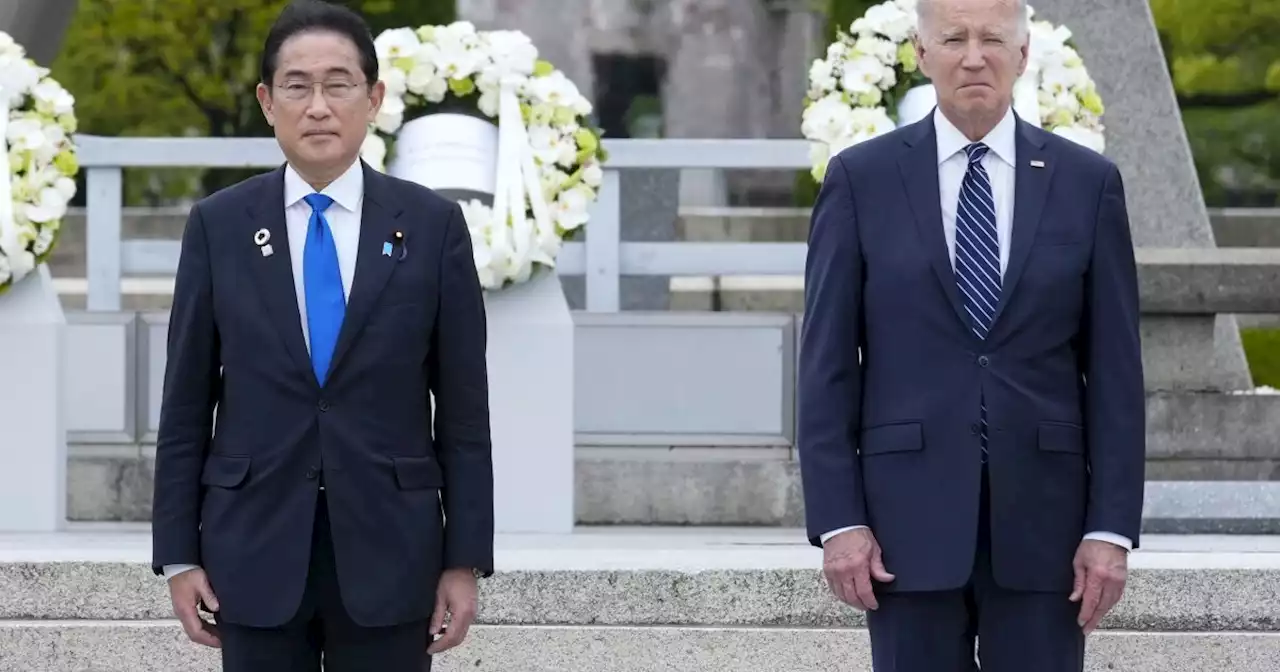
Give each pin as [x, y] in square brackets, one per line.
[603, 258]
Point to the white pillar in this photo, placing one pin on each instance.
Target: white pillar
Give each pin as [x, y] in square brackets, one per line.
[531, 381]
[33, 445]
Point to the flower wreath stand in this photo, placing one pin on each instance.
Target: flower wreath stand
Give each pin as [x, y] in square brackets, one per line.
[480, 94]
[37, 162]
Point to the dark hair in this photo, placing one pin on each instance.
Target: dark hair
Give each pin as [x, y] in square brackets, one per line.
[303, 16]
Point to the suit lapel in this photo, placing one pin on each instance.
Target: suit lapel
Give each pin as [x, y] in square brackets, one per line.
[378, 222]
[1031, 187]
[919, 168]
[273, 275]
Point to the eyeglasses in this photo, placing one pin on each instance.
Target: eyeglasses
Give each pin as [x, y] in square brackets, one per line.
[333, 90]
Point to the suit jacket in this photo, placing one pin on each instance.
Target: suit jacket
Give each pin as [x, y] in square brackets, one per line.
[238, 497]
[891, 372]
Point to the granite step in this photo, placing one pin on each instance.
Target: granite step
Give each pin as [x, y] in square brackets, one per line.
[606, 599]
[160, 646]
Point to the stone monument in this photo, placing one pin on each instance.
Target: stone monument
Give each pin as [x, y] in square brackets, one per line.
[38, 25]
[1117, 40]
[33, 453]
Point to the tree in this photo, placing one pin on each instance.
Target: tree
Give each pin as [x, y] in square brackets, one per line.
[1225, 64]
[186, 67]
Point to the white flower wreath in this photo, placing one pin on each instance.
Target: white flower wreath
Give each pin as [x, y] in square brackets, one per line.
[854, 93]
[37, 118]
[443, 68]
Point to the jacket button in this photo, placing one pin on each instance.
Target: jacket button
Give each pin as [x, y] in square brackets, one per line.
[975, 429]
[312, 473]
[324, 406]
[983, 361]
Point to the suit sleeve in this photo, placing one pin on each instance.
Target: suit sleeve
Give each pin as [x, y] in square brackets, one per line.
[1115, 403]
[192, 380]
[459, 382]
[829, 385]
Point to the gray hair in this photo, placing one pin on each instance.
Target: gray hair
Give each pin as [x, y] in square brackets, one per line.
[926, 8]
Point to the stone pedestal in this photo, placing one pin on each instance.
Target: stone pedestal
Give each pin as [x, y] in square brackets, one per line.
[33, 450]
[1117, 40]
[531, 387]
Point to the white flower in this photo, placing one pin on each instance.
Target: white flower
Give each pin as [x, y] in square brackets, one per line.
[827, 119]
[593, 174]
[862, 74]
[18, 75]
[570, 209]
[374, 151]
[52, 99]
[549, 146]
[454, 50]
[421, 76]
[50, 206]
[512, 52]
[1084, 136]
[554, 89]
[390, 115]
[489, 103]
[397, 43]
[436, 89]
[821, 76]
[877, 47]
[396, 80]
[887, 19]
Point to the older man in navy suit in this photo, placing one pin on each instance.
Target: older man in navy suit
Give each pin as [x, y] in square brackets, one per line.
[971, 417]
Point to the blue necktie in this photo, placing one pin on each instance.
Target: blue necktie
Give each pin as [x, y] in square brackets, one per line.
[322, 282]
[978, 254]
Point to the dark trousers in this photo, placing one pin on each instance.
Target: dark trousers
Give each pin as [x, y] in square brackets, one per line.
[322, 629]
[1015, 631]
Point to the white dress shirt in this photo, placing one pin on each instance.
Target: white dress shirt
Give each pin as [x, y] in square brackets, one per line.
[343, 216]
[999, 163]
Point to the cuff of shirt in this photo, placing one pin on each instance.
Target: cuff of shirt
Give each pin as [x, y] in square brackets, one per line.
[833, 533]
[1111, 537]
[171, 571]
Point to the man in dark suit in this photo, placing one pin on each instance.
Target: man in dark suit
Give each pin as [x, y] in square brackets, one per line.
[971, 411]
[324, 310]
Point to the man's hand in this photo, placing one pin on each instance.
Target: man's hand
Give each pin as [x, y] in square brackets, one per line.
[188, 591]
[457, 597]
[850, 560]
[1101, 569]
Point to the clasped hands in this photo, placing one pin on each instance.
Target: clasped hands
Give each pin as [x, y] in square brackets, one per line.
[455, 610]
[852, 560]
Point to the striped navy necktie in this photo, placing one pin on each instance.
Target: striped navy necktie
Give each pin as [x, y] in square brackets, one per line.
[978, 253]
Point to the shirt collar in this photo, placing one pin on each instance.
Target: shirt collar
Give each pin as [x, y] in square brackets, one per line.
[345, 191]
[951, 141]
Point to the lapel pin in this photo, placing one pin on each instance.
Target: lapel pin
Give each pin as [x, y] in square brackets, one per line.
[386, 249]
[260, 239]
[1036, 163]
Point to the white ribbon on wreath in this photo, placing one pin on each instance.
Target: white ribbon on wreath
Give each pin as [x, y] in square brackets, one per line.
[517, 174]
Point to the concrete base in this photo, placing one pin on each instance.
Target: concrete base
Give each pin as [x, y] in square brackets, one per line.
[717, 599]
[161, 646]
[33, 452]
[531, 383]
